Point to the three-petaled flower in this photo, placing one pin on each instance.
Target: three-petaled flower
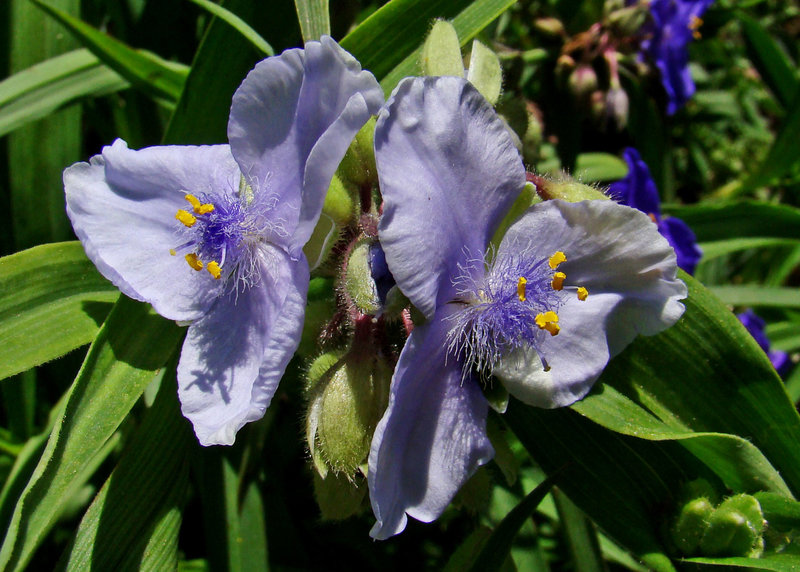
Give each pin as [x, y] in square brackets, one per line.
[638, 190]
[570, 285]
[674, 24]
[213, 235]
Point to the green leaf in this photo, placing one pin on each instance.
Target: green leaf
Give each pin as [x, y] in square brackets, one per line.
[779, 512]
[772, 63]
[596, 167]
[314, 18]
[52, 283]
[58, 82]
[719, 363]
[722, 247]
[130, 349]
[238, 24]
[402, 26]
[620, 482]
[782, 158]
[121, 531]
[742, 219]
[498, 545]
[774, 562]
[754, 295]
[584, 547]
[212, 81]
[145, 71]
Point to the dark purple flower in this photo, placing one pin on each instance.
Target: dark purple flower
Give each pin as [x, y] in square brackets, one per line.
[638, 190]
[570, 285]
[674, 24]
[213, 236]
[755, 325]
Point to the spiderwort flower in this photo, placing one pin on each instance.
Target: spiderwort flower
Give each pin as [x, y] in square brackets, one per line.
[638, 190]
[674, 24]
[756, 325]
[213, 235]
[570, 285]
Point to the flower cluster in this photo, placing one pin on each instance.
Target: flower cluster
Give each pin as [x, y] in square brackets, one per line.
[213, 238]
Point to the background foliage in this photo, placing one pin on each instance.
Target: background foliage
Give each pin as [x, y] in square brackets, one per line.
[99, 468]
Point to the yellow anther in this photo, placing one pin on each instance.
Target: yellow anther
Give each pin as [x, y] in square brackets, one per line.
[694, 26]
[548, 321]
[185, 217]
[172, 251]
[521, 288]
[583, 293]
[214, 269]
[199, 208]
[192, 260]
[557, 259]
[558, 280]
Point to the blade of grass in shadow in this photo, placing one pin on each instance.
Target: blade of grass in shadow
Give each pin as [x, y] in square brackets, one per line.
[314, 18]
[237, 24]
[146, 71]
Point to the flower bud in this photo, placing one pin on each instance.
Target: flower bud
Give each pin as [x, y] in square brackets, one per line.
[565, 188]
[691, 525]
[348, 393]
[627, 21]
[441, 52]
[582, 82]
[359, 283]
[617, 105]
[358, 165]
[735, 529]
[551, 27]
[485, 72]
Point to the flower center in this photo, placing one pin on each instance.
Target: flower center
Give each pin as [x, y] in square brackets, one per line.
[513, 305]
[220, 235]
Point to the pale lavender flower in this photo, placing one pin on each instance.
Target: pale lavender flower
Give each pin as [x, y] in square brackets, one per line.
[570, 285]
[674, 24]
[213, 235]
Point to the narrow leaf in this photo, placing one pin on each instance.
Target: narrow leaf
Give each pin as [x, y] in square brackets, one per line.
[143, 70]
[754, 295]
[772, 63]
[121, 531]
[131, 347]
[52, 283]
[742, 219]
[55, 83]
[782, 158]
[238, 24]
[498, 545]
[314, 18]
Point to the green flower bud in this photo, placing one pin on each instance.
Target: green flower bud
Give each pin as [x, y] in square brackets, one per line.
[358, 165]
[691, 525]
[346, 402]
[626, 21]
[551, 27]
[338, 497]
[441, 52]
[358, 282]
[565, 188]
[582, 82]
[735, 529]
[485, 72]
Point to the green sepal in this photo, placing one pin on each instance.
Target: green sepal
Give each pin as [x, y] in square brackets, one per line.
[358, 165]
[485, 72]
[441, 53]
[567, 189]
[339, 498]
